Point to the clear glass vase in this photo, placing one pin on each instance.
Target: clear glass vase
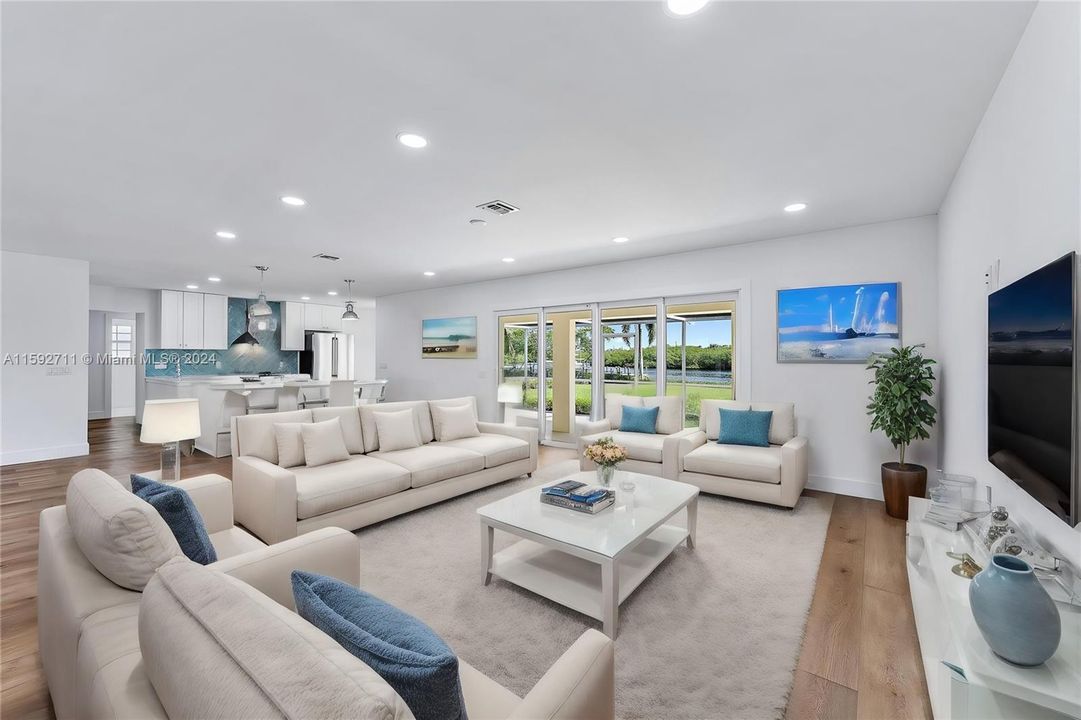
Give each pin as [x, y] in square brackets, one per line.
[605, 473]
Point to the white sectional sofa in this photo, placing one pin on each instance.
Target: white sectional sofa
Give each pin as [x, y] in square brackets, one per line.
[223, 640]
[277, 502]
[776, 474]
[650, 454]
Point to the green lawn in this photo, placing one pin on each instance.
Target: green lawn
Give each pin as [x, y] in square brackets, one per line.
[583, 399]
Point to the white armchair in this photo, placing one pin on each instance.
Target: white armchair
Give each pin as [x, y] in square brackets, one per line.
[648, 453]
[775, 474]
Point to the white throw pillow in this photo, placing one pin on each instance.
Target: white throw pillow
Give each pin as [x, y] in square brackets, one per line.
[323, 442]
[454, 422]
[290, 444]
[118, 532]
[397, 430]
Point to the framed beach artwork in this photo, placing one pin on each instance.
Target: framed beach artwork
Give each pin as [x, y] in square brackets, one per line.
[838, 323]
[449, 338]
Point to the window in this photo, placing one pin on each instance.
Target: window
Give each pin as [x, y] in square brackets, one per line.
[120, 347]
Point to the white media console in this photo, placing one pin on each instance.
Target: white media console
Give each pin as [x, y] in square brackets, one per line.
[964, 678]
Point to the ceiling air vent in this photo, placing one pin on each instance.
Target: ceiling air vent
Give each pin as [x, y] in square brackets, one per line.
[326, 256]
[498, 207]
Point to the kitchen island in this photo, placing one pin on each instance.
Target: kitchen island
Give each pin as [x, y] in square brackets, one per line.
[223, 396]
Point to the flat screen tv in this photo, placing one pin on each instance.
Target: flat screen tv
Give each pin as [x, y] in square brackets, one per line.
[1032, 385]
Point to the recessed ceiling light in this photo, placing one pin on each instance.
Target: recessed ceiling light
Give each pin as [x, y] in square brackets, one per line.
[508, 259]
[620, 240]
[412, 140]
[332, 292]
[226, 234]
[428, 273]
[795, 207]
[214, 278]
[682, 8]
[191, 287]
[294, 201]
[305, 297]
[478, 222]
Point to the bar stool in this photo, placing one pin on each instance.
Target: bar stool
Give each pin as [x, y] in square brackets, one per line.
[342, 393]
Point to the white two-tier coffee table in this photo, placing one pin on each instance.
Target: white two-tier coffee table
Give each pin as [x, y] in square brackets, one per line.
[589, 563]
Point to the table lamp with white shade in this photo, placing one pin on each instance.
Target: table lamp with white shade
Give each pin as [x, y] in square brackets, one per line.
[167, 422]
[509, 393]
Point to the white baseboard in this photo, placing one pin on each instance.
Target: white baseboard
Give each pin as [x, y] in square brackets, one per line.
[124, 412]
[96, 415]
[11, 457]
[846, 486]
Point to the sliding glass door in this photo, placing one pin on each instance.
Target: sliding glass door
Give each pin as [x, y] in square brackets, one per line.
[630, 349]
[557, 379]
[519, 368]
[699, 356]
[568, 380]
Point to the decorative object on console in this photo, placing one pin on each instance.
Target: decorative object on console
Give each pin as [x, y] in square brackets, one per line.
[899, 408]
[449, 337]
[607, 455]
[167, 422]
[1000, 526]
[405, 652]
[1016, 616]
[178, 511]
[838, 323]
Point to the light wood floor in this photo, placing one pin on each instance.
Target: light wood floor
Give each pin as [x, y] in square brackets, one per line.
[860, 656]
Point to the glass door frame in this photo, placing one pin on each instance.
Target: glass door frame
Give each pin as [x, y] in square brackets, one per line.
[658, 305]
[499, 315]
[542, 374]
[741, 339]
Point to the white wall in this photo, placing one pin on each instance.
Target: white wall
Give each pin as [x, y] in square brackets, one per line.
[129, 300]
[829, 399]
[363, 332]
[44, 308]
[98, 376]
[1015, 199]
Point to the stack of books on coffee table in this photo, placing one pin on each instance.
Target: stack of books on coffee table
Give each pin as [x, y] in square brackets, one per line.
[578, 496]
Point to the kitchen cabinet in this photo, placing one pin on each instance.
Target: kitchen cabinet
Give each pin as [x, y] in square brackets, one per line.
[323, 317]
[193, 321]
[215, 322]
[192, 334]
[172, 319]
[293, 324]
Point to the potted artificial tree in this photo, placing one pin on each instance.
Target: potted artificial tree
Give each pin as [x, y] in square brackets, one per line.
[899, 408]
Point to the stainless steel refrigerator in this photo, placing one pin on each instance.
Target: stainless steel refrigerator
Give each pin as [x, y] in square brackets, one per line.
[327, 356]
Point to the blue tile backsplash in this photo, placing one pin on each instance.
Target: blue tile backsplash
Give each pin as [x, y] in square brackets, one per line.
[267, 356]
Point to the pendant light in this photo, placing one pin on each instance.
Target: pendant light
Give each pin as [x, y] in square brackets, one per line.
[349, 314]
[260, 315]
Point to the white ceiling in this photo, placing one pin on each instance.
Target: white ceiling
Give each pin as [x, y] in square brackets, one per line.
[133, 131]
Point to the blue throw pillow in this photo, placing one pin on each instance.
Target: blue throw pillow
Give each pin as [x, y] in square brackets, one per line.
[403, 650]
[639, 419]
[179, 512]
[745, 427]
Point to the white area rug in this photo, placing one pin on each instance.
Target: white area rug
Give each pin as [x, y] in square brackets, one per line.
[715, 632]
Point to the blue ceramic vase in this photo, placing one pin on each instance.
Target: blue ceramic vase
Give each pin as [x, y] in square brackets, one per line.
[1017, 617]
